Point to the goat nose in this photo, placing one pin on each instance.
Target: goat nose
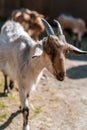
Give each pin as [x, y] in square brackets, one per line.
[61, 75]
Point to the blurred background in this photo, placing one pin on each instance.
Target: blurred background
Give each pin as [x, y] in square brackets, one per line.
[50, 8]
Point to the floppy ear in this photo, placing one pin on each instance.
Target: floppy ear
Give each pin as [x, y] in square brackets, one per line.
[38, 50]
[74, 49]
[16, 14]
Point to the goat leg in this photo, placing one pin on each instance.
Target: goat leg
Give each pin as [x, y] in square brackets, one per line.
[24, 107]
[6, 88]
[25, 118]
[11, 84]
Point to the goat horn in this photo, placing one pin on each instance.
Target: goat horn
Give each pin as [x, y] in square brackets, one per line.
[48, 27]
[74, 49]
[59, 27]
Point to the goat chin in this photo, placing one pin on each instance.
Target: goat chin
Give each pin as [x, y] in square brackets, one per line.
[59, 78]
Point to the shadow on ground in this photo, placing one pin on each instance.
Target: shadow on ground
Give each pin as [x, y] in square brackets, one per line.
[2, 94]
[77, 72]
[9, 120]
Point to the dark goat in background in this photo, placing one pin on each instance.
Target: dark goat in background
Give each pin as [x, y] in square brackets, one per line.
[76, 27]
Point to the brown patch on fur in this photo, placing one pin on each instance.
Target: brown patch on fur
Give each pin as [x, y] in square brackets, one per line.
[30, 20]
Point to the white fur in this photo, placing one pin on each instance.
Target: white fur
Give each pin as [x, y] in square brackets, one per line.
[37, 81]
[27, 127]
[12, 30]
[26, 103]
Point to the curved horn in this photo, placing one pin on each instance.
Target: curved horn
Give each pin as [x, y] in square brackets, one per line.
[74, 49]
[48, 27]
[59, 27]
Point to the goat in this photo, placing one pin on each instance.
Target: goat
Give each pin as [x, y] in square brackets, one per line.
[31, 21]
[76, 27]
[23, 59]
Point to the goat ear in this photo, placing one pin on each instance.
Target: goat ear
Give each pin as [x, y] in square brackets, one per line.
[38, 50]
[74, 49]
[16, 14]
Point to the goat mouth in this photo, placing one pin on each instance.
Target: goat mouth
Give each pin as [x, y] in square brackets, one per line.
[60, 77]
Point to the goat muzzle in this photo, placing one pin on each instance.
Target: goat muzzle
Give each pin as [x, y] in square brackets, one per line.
[60, 76]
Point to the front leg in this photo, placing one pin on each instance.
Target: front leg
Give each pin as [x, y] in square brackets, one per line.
[24, 106]
[25, 112]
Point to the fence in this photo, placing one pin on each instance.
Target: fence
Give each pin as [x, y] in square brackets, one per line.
[50, 8]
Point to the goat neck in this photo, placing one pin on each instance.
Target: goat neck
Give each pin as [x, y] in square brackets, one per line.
[41, 60]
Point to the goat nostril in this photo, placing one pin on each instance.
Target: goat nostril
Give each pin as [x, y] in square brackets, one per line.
[61, 75]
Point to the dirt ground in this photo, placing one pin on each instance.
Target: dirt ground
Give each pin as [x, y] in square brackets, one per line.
[54, 105]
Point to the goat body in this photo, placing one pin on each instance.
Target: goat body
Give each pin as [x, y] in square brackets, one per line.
[31, 22]
[15, 43]
[76, 24]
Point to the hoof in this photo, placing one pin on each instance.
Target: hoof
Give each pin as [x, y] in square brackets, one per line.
[6, 92]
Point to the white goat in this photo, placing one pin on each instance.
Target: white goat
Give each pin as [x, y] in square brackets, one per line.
[32, 24]
[23, 59]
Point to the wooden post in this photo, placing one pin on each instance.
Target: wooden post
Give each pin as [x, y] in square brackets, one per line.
[22, 3]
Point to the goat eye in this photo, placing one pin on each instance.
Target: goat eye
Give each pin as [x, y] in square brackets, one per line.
[56, 40]
[65, 52]
[68, 51]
